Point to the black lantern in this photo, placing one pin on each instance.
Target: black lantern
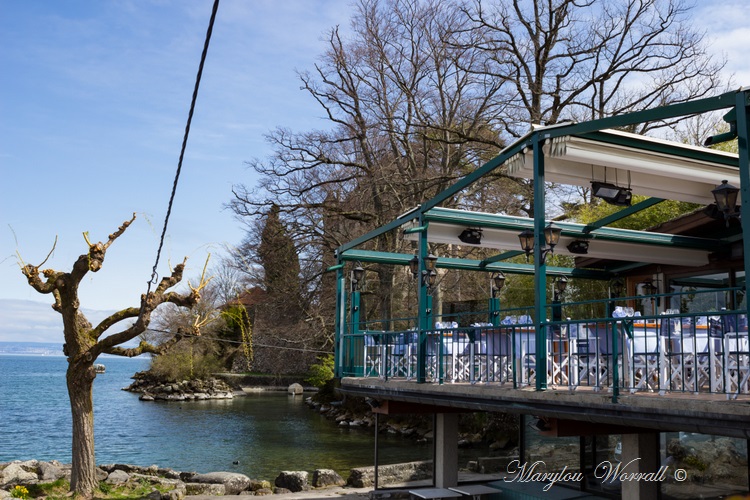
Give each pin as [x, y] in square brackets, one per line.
[561, 284]
[551, 238]
[358, 274]
[726, 199]
[618, 287]
[527, 242]
[430, 277]
[498, 282]
[649, 288]
[414, 266]
[429, 262]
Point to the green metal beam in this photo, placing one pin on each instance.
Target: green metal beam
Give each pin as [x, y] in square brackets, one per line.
[723, 101]
[475, 219]
[472, 177]
[500, 257]
[471, 265]
[400, 221]
[625, 212]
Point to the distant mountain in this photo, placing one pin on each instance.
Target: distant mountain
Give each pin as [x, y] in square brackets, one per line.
[35, 348]
[32, 321]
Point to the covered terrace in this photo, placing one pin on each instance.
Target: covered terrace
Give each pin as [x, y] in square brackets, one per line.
[665, 348]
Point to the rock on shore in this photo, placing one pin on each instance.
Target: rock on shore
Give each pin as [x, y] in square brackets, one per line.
[151, 389]
[167, 484]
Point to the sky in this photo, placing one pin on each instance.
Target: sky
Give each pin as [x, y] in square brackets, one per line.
[94, 96]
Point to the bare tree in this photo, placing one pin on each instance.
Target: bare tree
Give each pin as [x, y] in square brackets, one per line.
[407, 119]
[85, 342]
[585, 59]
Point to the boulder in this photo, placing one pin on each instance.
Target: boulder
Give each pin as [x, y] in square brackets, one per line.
[323, 478]
[205, 489]
[233, 482]
[117, 477]
[295, 389]
[49, 472]
[293, 481]
[15, 473]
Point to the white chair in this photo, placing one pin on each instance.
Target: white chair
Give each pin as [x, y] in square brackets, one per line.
[374, 355]
[648, 364]
[736, 363]
[498, 363]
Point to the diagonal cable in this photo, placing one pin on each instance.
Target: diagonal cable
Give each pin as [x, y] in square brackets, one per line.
[154, 275]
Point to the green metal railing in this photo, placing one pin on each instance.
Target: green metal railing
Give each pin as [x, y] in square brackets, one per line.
[705, 351]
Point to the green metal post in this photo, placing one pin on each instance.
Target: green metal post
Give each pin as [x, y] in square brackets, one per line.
[425, 305]
[339, 322]
[743, 142]
[494, 314]
[540, 275]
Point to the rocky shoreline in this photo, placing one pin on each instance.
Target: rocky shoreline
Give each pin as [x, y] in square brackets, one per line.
[151, 389]
[167, 484]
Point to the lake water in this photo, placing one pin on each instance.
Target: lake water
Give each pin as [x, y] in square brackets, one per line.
[266, 433]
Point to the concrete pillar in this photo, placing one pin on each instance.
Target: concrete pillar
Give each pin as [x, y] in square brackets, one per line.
[640, 454]
[446, 450]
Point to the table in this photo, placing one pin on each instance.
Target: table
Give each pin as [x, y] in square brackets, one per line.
[475, 490]
[432, 493]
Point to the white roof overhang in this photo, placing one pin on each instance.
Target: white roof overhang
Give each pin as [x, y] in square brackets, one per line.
[656, 167]
[500, 232]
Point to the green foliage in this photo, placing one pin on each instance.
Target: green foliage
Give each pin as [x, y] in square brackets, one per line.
[19, 491]
[239, 327]
[649, 217]
[187, 360]
[695, 462]
[321, 373]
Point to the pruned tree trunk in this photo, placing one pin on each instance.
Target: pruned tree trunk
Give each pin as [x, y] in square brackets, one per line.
[80, 381]
[85, 342]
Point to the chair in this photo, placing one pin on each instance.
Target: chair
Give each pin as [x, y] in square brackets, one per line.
[736, 363]
[374, 355]
[648, 364]
[585, 362]
[498, 365]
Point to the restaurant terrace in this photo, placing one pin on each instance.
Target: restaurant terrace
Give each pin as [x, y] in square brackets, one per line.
[664, 349]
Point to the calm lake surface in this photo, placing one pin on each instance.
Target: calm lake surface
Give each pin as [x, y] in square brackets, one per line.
[266, 433]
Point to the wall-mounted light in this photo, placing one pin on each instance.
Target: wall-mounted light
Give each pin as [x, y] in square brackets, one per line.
[561, 284]
[649, 288]
[429, 275]
[498, 282]
[726, 200]
[357, 277]
[618, 287]
[578, 247]
[551, 239]
[612, 194]
[471, 235]
[429, 278]
[414, 266]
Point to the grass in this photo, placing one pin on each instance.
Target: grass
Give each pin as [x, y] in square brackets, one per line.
[59, 490]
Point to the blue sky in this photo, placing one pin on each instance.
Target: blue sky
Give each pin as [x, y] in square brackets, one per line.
[93, 101]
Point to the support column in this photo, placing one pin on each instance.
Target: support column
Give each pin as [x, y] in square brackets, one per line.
[640, 453]
[446, 450]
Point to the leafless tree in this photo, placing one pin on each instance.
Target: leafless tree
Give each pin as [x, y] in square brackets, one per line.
[408, 117]
[586, 59]
[84, 342]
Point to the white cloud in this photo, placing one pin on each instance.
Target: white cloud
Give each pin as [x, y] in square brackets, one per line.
[31, 321]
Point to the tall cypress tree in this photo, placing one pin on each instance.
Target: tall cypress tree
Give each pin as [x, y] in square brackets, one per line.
[280, 262]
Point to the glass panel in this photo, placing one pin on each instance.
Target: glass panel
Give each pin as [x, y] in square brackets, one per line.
[713, 466]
